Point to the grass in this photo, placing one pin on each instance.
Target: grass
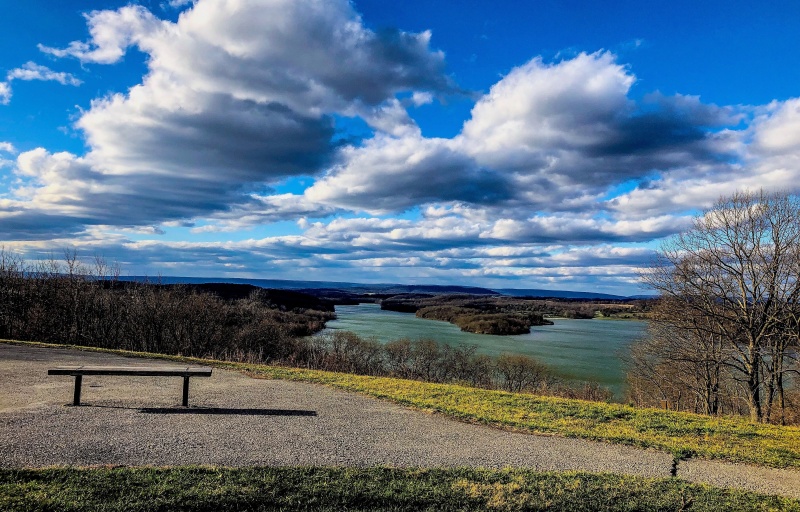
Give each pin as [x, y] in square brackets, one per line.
[250, 489]
[682, 434]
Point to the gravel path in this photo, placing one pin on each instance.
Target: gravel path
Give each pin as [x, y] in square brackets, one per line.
[239, 421]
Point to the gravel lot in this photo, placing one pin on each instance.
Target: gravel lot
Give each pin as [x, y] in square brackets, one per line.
[235, 420]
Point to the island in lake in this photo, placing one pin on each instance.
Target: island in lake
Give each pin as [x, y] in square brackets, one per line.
[504, 315]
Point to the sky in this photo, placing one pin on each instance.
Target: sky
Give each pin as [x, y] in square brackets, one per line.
[511, 144]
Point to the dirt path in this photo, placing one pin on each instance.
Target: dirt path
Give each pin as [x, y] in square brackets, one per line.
[239, 421]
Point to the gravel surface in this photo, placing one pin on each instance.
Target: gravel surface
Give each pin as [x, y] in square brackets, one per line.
[235, 420]
[721, 474]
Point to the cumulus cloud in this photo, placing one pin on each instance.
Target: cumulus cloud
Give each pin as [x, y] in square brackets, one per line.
[768, 157]
[539, 107]
[203, 137]
[549, 137]
[391, 174]
[228, 106]
[249, 48]
[112, 33]
[569, 130]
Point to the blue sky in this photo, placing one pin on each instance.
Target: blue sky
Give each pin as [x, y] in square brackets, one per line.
[500, 144]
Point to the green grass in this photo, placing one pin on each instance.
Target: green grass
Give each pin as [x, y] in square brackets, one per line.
[682, 434]
[246, 489]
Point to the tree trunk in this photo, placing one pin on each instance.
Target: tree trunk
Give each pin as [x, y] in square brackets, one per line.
[754, 392]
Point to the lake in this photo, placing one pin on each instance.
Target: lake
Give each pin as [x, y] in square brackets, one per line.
[576, 349]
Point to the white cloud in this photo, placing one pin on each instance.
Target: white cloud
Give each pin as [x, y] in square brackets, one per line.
[392, 118]
[566, 131]
[389, 174]
[420, 98]
[5, 93]
[778, 132]
[582, 229]
[249, 49]
[33, 71]
[540, 109]
[770, 162]
[228, 105]
[550, 137]
[112, 33]
[56, 182]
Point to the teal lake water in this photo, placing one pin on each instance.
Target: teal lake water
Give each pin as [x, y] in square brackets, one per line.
[576, 349]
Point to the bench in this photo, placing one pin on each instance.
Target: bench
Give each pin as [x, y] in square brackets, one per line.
[136, 371]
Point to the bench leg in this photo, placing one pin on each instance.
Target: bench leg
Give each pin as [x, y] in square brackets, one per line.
[76, 398]
[186, 391]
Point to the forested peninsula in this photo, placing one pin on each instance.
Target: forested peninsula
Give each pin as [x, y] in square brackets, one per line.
[503, 315]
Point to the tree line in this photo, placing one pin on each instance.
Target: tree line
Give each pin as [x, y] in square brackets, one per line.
[69, 302]
[724, 337]
[428, 360]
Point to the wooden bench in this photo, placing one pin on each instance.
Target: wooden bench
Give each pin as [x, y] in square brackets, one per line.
[136, 371]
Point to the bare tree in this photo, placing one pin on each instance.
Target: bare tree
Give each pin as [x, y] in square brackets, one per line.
[680, 361]
[735, 272]
[520, 372]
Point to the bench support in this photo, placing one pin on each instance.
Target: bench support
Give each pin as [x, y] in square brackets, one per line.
[186, 391]
[76, 398]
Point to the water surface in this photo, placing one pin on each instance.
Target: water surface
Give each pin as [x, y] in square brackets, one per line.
[576, 349]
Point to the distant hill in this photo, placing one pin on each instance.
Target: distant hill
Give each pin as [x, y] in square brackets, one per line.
[435, 289]
[286, 284]
[558, 294]
[382, 288]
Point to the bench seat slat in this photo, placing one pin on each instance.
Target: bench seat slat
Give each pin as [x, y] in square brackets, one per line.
[140, 371]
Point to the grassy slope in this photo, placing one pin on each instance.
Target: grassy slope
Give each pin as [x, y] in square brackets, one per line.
[682, 434]
[245, 489]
